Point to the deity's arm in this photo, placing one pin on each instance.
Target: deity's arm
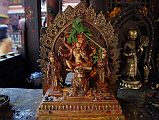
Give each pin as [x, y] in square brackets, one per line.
[58, 67]
[93, 52]
[48, 69]
[105, 61]
[143, 43]
[84, 56]
[66, 44]
[63, 53]
[104, 53]
[125, 50]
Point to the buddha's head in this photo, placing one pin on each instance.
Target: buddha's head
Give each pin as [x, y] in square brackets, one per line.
[81, 41]
[132, 34]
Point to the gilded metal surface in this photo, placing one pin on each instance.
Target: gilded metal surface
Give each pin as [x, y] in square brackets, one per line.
[66, 107]
[130, 84]
[63, 21]
[131, 76]
[137, 17]
[130, 51]
[79, 108]
[88, 97]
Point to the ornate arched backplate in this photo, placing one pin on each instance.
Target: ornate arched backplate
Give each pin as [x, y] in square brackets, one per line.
[139, 18]
[101, 30]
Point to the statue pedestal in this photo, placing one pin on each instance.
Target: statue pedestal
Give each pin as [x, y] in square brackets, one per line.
[51, 92]
[130, 84]
[79, 108]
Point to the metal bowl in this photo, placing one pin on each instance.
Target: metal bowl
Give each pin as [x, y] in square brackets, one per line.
[4, 100]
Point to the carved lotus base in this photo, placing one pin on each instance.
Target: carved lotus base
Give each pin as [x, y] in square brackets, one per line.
[79, 108]
[130, 84]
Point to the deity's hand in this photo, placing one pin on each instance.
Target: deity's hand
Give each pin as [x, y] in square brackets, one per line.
[149, 66]
[104, 53]
[59, 51]
[100, 63]
[65, 53]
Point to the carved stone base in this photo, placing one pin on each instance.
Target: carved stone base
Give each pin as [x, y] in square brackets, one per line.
[79, 108]
[130, 84]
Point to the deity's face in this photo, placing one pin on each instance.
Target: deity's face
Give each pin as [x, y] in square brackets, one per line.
[132, 34]
[80, 42]
[51, 57]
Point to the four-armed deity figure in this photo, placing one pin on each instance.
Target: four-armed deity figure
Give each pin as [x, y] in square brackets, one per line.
[80, 61]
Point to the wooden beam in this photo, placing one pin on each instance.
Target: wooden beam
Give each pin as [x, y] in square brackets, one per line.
[33, 26]
[99, 6]
[53, 7]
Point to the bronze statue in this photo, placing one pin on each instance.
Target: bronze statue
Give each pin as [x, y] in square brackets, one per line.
[78, 63]
[131, 54]
[78, 52]
[103, 70]
[147, 65]
[102, 65]
[88, 68]
[53, 72]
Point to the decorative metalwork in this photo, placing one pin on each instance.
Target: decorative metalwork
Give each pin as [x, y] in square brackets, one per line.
[88, 99]
[139, 18]
[63, 20]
